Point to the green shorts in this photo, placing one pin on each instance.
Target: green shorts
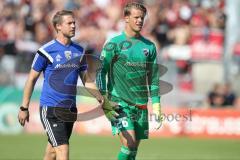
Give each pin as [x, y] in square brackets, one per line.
[132, 118]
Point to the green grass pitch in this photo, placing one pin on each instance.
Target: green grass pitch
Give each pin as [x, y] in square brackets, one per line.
[31, 147]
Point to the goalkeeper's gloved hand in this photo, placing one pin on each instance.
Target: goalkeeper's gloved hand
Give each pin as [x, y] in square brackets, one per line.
[156, 108]
[109, 110]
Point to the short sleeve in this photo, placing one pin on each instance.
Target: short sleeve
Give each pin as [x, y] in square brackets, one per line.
[39, 63]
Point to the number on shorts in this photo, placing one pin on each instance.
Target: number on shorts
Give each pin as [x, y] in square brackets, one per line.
[125, 123]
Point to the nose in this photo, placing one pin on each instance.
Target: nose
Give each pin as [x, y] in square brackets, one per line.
[73, 25]
[140, 19]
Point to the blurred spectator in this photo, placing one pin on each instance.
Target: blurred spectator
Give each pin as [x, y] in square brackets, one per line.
[171, 22]
[216, 96]
[221, 96]
[230, 96]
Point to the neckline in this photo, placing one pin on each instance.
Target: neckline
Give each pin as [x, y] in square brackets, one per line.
[131, 37]
[66, 46]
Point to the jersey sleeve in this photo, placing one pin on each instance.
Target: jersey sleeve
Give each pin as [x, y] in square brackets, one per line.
[153, 76]
[39, 63]
[106, 59]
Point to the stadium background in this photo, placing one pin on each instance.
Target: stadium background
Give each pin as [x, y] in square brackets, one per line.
[198, 42]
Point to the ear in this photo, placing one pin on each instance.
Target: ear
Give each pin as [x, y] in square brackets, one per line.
[58, 27]
[126, 19]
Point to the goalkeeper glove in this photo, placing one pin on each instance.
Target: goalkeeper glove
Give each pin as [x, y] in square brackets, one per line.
[156, 108]
[109, 110]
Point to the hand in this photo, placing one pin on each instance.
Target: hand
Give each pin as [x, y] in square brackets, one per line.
[109, 110]
[157, 113]
[23, 116]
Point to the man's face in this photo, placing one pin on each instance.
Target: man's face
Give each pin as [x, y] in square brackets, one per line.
[135, 20]
[67, 27]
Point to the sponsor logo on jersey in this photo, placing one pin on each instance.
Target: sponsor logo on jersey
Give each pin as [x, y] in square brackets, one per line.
[135, 64]
[68, 54]
[58, 66]
[58, 58]
[145, 52]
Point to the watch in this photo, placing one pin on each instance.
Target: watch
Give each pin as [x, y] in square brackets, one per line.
[23, 108]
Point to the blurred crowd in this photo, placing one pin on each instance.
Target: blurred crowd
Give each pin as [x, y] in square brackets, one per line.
[184, 30]
[26, 24]
[222, 95]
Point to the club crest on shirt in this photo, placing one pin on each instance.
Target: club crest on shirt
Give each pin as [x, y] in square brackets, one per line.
[58, 58]
[146, 52]
[68, 54]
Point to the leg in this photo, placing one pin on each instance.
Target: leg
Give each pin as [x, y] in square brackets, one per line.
[125, 128]
[58, 132]
[129, 145]
[50, 153]
[128, 139]
[62, 152]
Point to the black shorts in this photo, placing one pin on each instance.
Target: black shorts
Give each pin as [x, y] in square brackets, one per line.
[58, 123]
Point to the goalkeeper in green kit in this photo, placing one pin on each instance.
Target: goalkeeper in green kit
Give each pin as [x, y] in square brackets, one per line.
[128, 75]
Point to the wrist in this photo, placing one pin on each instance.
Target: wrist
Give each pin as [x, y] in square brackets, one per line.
[156, 106]
[23, 108]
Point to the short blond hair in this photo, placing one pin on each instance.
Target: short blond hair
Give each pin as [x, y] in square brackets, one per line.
[129, 6]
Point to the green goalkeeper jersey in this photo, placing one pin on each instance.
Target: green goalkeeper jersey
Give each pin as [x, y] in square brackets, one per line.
[129, 70]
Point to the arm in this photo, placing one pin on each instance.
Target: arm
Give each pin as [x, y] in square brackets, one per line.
[106, 58]
[153, 77]
[102, 72]
[39, 64]
[28, 89]
[153, 83]
[88, 79]
[89, 82]
[88, 76]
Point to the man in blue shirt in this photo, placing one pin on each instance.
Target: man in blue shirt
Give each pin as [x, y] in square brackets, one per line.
[61, 62]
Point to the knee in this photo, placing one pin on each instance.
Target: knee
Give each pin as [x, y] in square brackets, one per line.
[132, 145]
[53, 155]
[50, 153]
[62, 152]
